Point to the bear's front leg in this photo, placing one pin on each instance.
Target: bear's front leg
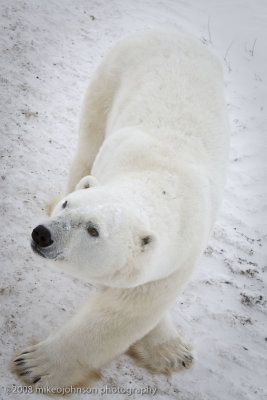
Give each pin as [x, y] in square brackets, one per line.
[162, 350]
[53, 363]
[105, 327]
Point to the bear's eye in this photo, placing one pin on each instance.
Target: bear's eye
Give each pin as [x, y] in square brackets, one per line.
[64, 204]
[93, 231]
[146, 240]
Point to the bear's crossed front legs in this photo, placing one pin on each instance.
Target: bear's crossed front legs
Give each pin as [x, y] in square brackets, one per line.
[162, 350]
[105, 327]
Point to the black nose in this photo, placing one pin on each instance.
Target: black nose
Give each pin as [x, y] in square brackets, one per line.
[42, 236]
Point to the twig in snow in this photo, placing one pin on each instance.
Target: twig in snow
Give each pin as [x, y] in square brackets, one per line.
[253, 48]
[203, 39]
[226, 54]
[209, 31]
[227, 51]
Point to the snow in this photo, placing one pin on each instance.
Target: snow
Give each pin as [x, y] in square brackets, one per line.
[49, 50]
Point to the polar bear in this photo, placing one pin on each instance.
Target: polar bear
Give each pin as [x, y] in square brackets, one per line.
[142, 196]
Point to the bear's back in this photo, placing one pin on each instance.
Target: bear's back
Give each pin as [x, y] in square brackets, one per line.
[170, 86]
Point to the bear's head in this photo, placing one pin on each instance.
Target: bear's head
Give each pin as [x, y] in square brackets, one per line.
[98, 234]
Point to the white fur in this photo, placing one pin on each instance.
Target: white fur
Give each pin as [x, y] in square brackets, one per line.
[154, 136]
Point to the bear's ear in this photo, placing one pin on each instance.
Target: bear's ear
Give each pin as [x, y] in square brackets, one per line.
[147, 241]
[86, 182]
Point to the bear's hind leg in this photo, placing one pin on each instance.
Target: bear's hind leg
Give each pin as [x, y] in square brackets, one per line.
[162, 350]
[92, 127]
[93, 121]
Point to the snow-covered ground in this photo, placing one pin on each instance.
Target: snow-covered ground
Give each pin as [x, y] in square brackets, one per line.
[49, 50]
